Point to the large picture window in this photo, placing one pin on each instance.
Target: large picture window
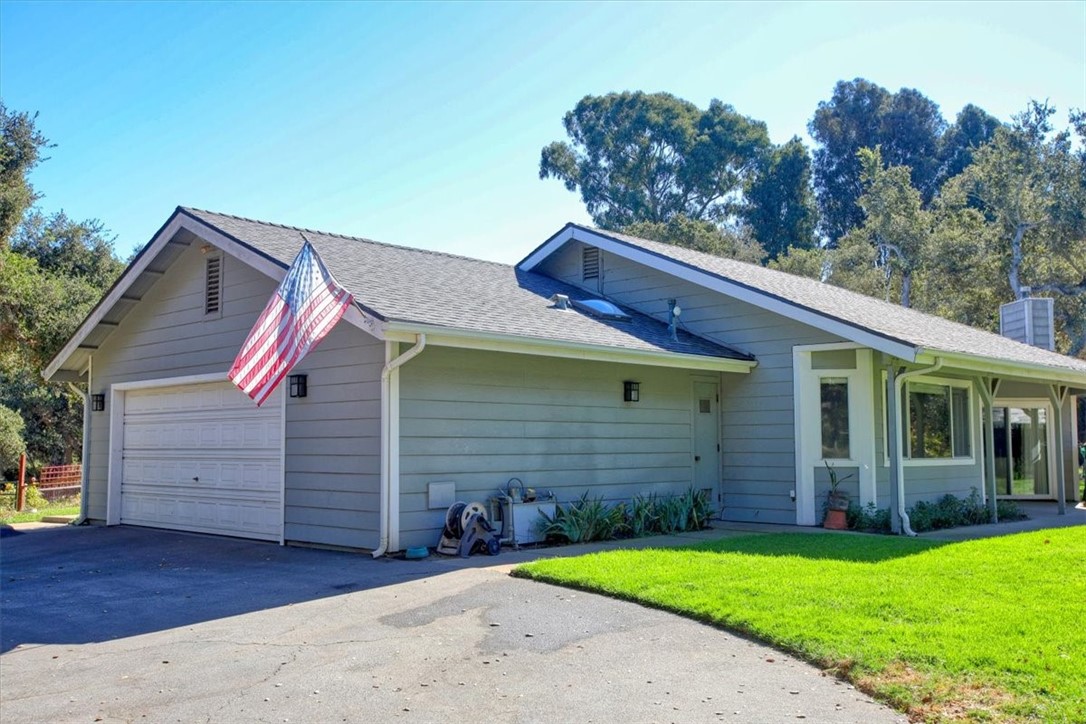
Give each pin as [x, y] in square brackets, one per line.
[938, 421]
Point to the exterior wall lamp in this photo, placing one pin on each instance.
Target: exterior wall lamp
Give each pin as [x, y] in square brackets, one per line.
[631, 391]
[98, 402]
[299, 386]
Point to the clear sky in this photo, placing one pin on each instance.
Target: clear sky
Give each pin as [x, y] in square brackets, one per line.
[422, 123]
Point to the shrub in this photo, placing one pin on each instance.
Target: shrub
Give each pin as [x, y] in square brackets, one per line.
[586, 520]
[11, 439]
[868, 518]
[1008, 510]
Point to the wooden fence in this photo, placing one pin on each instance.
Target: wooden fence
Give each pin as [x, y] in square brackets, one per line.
[60, 481]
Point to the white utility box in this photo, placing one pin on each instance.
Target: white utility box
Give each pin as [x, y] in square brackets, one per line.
[527, 518]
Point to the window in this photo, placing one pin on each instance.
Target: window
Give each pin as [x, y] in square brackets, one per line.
[590, 263]
[834, 398]
[213, 285]
[937, 418]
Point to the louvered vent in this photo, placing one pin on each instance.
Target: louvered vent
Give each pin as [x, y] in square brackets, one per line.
[590, 263]
[213, 286]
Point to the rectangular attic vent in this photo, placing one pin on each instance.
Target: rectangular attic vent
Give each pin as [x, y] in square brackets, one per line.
[213, 286]
[590, 263]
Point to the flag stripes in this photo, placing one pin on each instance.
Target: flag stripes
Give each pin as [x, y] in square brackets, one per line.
[304, 309]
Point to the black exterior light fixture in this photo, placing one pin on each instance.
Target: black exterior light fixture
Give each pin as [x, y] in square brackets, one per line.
[631, 391]
[98, 402]
[298, 386]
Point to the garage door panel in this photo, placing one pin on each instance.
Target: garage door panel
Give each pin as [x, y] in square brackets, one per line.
[203, 458]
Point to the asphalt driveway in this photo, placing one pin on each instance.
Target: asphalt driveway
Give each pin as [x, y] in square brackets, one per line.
[125, 624]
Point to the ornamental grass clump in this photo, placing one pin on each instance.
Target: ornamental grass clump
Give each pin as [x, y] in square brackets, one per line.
[585, 520]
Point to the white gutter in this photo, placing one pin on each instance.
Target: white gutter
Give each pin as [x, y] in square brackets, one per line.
[390, 444]
[494, 342]
[900, 462]
[84, 456]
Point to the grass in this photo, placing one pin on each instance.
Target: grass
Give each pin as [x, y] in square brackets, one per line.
[65, 506]
[987, 630]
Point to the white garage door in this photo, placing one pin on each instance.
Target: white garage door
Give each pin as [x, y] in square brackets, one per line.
[203, 458]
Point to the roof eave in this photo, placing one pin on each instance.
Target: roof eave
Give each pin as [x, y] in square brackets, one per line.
[366, 319]
[901, 349]
[1002, 367]
[494, 342]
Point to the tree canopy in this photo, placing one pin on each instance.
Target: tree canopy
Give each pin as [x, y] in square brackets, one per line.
[52, 271]
[651, 158]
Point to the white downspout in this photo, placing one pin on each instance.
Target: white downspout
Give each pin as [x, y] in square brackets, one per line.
[387, 438]
[900, 462]
[84, 456]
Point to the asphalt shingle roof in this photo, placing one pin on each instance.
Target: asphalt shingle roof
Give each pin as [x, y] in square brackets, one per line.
[426, 287]
[910, 326]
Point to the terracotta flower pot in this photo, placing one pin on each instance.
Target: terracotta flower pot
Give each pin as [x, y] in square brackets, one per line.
[835, 520]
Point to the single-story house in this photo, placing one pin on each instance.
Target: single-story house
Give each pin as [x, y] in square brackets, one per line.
[600, 363]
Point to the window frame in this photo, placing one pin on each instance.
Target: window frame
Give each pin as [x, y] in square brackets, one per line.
[906, 422]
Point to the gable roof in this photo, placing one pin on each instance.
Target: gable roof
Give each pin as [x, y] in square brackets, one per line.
[891, 328]
[414, 290]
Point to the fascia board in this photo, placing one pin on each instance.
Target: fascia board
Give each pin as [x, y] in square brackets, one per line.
[764, 300]
[464, 339]
[366, 320]
[988, 365]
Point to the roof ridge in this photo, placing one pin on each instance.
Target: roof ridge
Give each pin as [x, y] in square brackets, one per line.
[348, 237]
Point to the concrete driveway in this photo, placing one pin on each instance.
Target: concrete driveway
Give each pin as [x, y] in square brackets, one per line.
[124, 624]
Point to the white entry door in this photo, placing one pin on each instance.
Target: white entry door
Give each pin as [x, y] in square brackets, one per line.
[205, 458]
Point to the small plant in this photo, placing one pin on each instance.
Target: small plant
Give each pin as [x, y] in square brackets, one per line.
[584, 520]
[642, 518]
[868, 518]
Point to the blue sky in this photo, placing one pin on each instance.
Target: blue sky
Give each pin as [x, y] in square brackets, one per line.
[422, 123]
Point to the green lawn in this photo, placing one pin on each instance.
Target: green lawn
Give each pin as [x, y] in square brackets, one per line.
[65, 506]
[990, 630]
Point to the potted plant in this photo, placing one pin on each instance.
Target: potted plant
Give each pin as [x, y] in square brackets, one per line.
[836, 502]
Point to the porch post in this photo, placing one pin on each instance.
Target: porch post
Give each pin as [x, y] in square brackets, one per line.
[892, 437]
[1058, 395]
[984, 388]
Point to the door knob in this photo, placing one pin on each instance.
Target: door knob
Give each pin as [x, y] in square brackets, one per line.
[697, 458]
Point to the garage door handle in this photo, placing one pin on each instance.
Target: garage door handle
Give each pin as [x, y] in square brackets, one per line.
[697, 458]
[196, 479]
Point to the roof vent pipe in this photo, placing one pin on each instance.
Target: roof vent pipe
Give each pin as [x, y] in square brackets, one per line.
[561, 301]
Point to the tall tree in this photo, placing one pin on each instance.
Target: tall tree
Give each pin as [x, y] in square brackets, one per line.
[780, 206]
[650, 157]
[52, 270]
[907, 125]
[20, 151]
[841, 126]
[973, 128]
[701, 235]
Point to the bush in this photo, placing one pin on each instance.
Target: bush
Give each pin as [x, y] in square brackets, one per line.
[586, 520]
[11, 439]
[868, 518]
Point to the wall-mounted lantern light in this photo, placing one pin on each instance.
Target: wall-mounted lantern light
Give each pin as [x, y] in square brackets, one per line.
[298, 386]
[98, 402]
[631, 391]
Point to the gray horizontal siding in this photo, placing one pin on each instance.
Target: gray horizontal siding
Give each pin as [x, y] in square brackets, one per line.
[480, 418]
[758, 429]
[332, 436]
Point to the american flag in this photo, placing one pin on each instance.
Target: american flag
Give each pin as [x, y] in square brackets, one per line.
[303, 310]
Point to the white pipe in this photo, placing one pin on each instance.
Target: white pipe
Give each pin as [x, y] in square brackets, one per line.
[386, 437]
[900, 462]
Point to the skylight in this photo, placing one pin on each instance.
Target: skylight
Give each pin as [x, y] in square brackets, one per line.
[600, 308]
